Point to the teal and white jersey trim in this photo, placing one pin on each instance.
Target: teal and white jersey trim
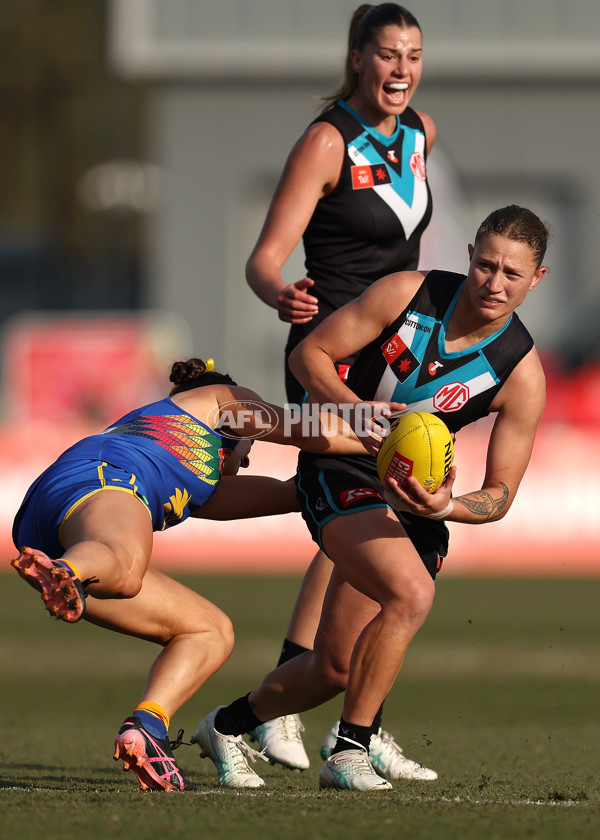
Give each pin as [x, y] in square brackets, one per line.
[406, 196]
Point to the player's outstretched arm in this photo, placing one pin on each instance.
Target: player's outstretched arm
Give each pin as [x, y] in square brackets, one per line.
[248, 496]
[320, 429]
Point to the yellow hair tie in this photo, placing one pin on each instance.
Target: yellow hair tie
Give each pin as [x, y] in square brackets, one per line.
[210, 365]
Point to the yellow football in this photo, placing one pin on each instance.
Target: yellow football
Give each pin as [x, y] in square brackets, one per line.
[418, 444]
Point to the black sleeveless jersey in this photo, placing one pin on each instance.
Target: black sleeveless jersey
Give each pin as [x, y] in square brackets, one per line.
[408, 362]
[371, 224]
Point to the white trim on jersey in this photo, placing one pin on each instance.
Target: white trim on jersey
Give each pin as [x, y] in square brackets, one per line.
[386, 386]
[385, 391]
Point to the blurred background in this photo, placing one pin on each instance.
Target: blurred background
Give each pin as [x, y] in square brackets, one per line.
[140, 144]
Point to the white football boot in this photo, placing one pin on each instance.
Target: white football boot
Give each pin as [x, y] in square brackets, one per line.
[280, 740]
[229, 753]
[386, 757]
[351, 770]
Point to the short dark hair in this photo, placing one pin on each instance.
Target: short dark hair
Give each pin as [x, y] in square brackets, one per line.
[519, 224]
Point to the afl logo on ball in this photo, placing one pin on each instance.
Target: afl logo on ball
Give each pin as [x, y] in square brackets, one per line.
[451, 397]
[417, 166]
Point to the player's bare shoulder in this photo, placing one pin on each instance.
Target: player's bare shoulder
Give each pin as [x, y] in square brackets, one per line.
[322, 136]
[319, 153]
[393, 292]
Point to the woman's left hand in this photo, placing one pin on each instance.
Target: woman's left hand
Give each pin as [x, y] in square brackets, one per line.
[413, 498]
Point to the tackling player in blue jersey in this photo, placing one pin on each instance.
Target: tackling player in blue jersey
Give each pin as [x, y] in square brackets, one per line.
[85, 528]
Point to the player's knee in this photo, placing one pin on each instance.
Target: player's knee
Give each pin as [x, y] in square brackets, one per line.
[412, 604]
[332, 671]
[337, 680]
[128, 585]
[124, 573]
[224, 636]
[127, 582]
[214, 636]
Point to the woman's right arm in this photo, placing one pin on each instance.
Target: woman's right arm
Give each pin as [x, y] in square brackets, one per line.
[247, 496]
[311, 172]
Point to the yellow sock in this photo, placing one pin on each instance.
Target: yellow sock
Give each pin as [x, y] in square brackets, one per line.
[153, 709]
[71, 566]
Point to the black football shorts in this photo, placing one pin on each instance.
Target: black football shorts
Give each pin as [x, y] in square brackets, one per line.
[338, 485]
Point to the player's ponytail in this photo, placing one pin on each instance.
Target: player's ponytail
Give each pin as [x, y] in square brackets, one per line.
[195, 373]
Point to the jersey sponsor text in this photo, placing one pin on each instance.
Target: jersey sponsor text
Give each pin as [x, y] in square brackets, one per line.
[415, 325]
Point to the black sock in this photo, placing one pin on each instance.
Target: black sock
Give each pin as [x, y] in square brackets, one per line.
[352, 737]
[377, 720]
[289, 651]
[236, 718]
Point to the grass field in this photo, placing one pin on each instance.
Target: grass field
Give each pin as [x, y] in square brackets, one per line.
[500, 694]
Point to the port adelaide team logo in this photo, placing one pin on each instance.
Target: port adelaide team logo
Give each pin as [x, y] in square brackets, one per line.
[400, 358]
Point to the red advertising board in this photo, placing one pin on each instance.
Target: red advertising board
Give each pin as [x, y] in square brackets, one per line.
[66, 377]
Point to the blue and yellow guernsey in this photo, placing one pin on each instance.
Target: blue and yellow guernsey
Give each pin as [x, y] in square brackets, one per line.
[175, 460]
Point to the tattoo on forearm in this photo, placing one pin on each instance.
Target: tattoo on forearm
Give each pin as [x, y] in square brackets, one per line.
[483, 503]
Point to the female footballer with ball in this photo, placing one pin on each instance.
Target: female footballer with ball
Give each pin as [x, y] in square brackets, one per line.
[440, 342]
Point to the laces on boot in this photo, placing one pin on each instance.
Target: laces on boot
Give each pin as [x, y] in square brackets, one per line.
[247, 751]
[389, 740]
[88, 582]
[292, 727]
[179, 741]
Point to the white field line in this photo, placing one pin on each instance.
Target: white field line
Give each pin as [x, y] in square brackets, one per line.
[426, 800]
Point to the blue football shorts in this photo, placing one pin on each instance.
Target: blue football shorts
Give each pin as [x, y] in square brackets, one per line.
[54, 496]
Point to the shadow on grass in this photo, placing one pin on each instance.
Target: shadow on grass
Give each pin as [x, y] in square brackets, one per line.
[49, 777]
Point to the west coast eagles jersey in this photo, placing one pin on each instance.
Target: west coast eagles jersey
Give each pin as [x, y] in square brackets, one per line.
[408, 362]
[175, 460]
